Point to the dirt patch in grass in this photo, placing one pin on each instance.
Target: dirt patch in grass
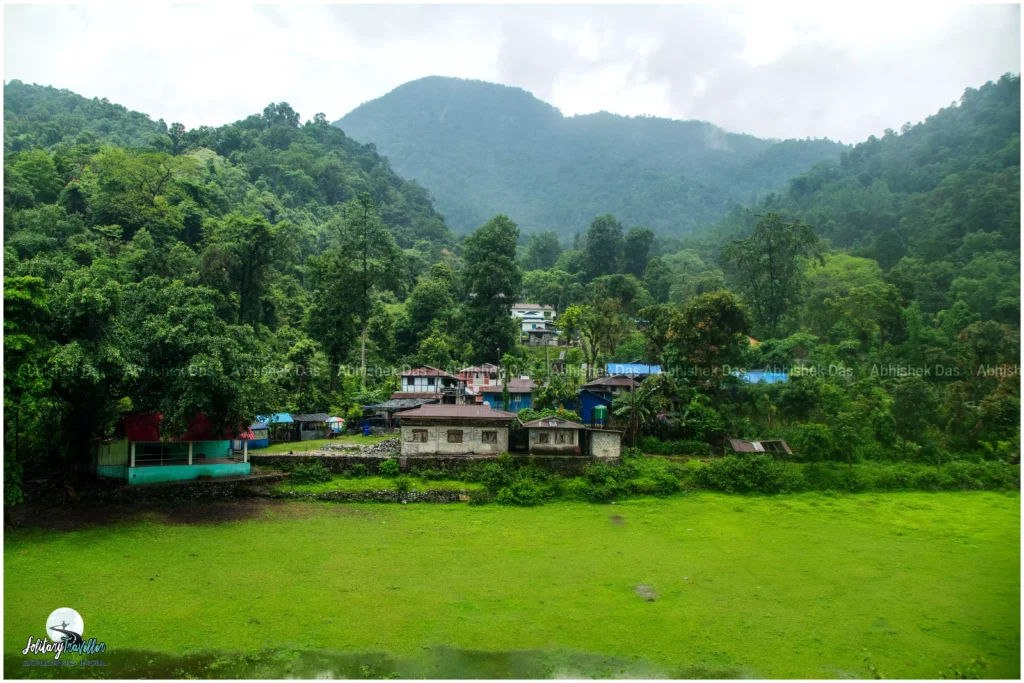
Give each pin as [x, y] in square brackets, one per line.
[617, 520]
[647, 592]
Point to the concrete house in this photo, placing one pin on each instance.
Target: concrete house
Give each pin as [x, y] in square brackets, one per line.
[141, 452]
[432, 383]
[479, 376]
[439, 429]
[555, 436]
[534, 311]
[520, 391]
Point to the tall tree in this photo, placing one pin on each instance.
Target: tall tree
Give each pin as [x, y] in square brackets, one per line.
[639, 241]
[707, 338]
[376, 260]
[492, 281]
[768, 268]
[602, 247]
[542, 250]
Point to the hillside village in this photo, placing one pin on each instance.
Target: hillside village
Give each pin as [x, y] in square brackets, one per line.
[461, 386]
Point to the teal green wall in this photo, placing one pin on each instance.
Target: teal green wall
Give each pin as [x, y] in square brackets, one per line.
[112, 471]
[156, 474]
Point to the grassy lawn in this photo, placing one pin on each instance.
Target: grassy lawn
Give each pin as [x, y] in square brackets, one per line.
[807, 585]
[379, 484]
[314, 444]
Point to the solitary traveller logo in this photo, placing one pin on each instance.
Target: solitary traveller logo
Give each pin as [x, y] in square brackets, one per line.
[64, 629]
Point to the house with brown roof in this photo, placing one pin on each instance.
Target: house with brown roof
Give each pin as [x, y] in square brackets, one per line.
[431, 383]
[440, 429]
[555, 436]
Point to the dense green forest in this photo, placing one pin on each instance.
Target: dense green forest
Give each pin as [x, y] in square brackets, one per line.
[484, 149]
[277, 265]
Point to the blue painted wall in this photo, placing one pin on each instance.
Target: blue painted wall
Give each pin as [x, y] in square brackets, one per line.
[519, 401]
[588, 400]
[163, 473]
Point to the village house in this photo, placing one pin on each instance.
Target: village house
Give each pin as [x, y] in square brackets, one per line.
[542, 337]
[520, 391]
[309, 426]
[533, 311]
[555, 436]
[139, 452]
[432, 383]
[438, 429]
[601, 392]
[479, 376]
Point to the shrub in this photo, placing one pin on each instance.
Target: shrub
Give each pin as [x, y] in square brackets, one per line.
[813, 442]
[313, 473]
[356, 471]
[481, 497]
[389, 468]
[403, 484]
[752, 474]
[432, 474]
[897, 478]
[575, 488]
[654, 445]
[524, 492]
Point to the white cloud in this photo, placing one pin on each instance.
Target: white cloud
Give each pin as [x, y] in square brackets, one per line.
[821, 70]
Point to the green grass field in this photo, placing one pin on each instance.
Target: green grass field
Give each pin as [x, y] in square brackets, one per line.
[807, 585]
[314, 444]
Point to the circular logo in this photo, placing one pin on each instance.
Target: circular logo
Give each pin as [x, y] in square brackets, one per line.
[65, 622]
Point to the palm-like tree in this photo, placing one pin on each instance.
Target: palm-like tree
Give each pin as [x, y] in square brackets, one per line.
[637, 405]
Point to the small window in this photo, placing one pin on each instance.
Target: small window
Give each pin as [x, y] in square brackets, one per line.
[419, 435]
[489, 437]
[454, 436]
[564, 436]
[542, 437]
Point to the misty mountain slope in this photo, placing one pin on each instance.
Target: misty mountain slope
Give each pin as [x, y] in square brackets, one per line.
[483, 149]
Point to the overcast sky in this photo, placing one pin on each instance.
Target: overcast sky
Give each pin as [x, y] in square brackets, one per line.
[780, 71]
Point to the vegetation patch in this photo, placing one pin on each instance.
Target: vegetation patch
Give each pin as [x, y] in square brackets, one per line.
[756, 592]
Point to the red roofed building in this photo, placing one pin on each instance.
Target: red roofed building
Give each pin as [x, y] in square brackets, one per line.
[143, 452]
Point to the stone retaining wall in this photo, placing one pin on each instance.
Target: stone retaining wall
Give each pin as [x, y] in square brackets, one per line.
[339, 463]
[253, 486]
[428, 496]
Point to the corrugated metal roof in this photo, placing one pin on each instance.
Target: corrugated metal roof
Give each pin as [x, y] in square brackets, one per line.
[613, 381]
[515, 386]
[276, 418]
[632, 369]
[426, 395]
[766, 376]
[441, 411]
[427, 371]
[552, 423]
[402, 403]
[533, 307]
[310, 417]
[760, 446]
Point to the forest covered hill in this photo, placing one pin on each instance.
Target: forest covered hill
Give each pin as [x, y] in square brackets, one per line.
[273, 265]
[483, 148]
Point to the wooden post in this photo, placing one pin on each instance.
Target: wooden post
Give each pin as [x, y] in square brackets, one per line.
[133, 455]
[245, 450]
[189, 452]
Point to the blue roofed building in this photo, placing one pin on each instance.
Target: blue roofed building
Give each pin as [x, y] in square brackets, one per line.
[766, 376]
[633, 369]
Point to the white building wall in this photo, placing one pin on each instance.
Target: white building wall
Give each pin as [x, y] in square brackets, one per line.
[604, 444]
[437, 440]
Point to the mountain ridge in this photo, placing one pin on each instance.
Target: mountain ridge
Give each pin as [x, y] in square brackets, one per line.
[484, 148]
